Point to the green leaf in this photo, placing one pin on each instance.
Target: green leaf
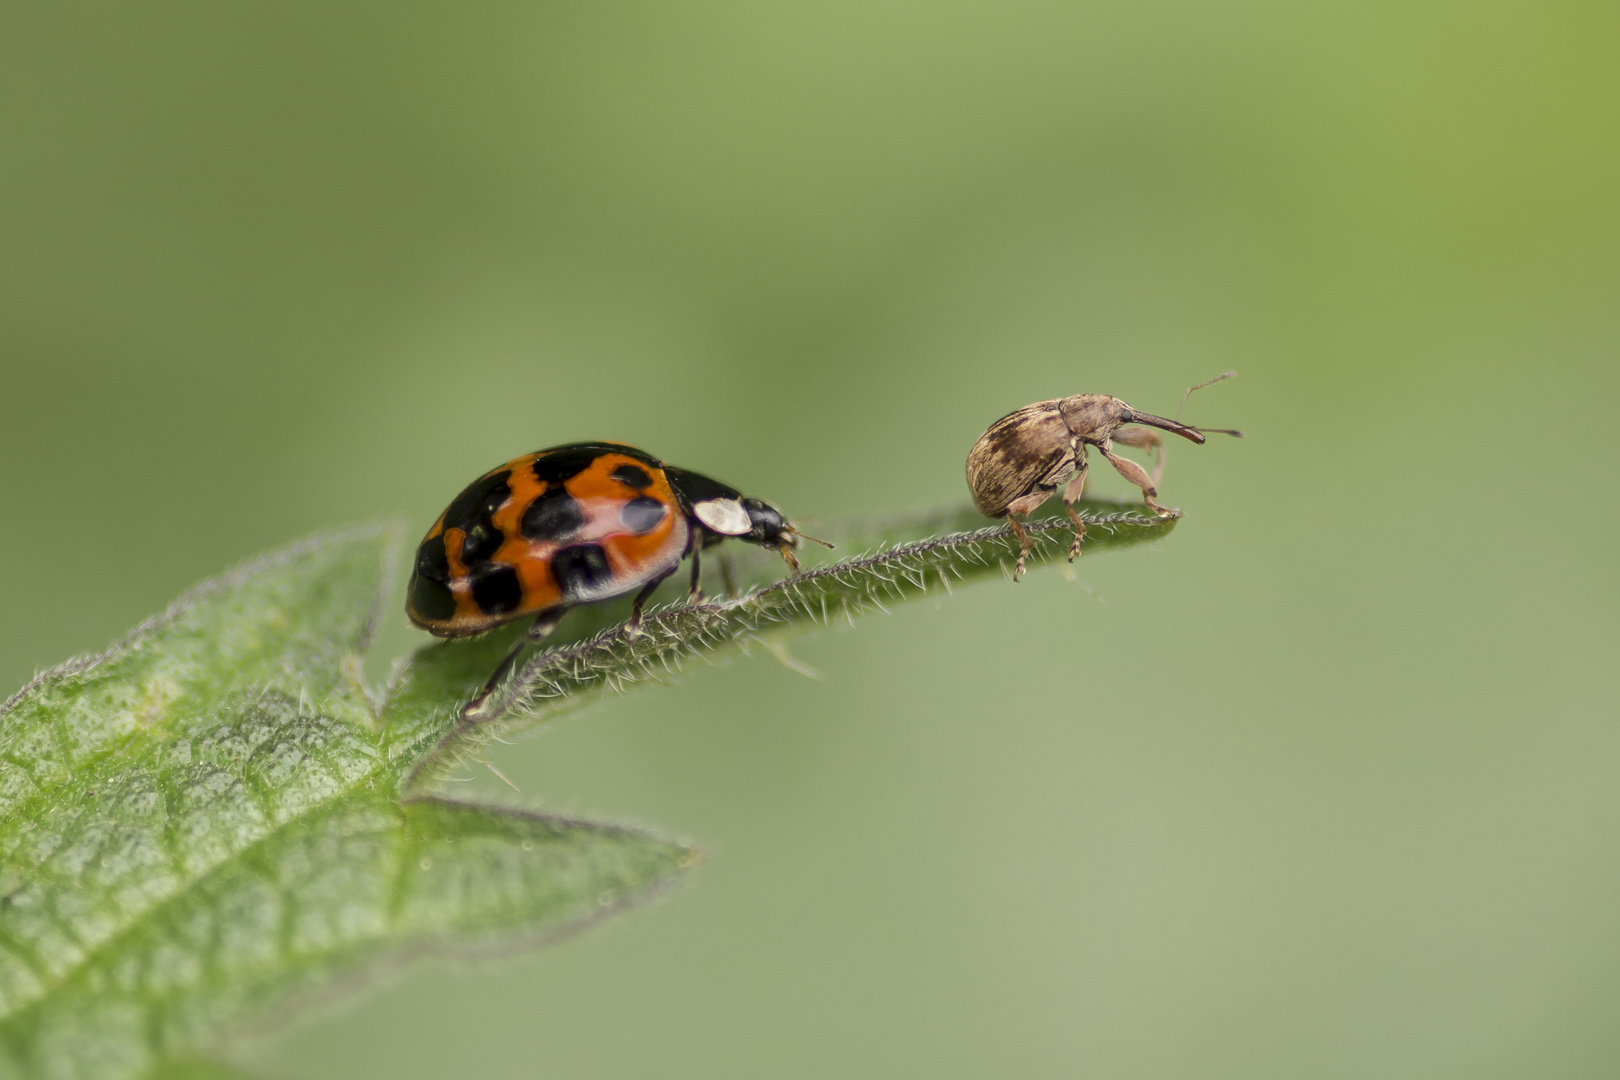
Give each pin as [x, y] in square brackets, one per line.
[205, 827]
[358, 882]
[214, 819]
[295, 622]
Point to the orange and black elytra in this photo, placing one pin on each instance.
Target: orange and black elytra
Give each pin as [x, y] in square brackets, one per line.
[1025, 456]
[571, 525]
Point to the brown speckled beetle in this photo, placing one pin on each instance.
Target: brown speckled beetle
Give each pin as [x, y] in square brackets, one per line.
[1022, 458]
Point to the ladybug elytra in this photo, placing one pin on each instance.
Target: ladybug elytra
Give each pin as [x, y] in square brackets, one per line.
[571, 525]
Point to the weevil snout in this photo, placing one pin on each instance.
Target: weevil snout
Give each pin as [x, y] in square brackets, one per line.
[1191, 434]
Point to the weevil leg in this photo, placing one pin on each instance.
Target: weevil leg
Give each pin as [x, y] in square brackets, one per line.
[1071, 495]
[1137, 475]
[1024, 546]
[543, 625]
[1022, 508]
[1145, 439]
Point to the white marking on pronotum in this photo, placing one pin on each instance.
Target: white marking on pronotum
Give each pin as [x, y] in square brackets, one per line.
[725, 516]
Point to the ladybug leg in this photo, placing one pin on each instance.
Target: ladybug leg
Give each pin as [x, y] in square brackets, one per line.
[725, 575]
[542, 627]
[632, 625]
[1071, 495]
[545, 623]
[694, 595]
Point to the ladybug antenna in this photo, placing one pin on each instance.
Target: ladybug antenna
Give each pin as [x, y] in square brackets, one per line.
[790, 539]
[1222, 377]
[794, 531]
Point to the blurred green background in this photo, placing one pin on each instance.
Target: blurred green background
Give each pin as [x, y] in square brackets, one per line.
[1322, 785]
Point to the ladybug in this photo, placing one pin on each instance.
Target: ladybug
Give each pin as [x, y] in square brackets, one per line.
[570, 525]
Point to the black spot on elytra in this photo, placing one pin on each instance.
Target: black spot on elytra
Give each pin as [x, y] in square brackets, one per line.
[473, 513]
[431, 600]
[479, 501]
[496, 590]
[482, 542]
[431, 562]
[565, 464]
[632, 476]
[555, 515]
[581, 569]
[642, 514]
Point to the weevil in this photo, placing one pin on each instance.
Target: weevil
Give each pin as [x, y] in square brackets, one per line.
[1025, 456]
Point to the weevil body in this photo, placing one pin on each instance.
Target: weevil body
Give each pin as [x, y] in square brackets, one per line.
[1023, 458]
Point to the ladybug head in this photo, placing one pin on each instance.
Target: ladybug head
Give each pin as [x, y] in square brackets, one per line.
[766, 525]
[723, 512]
[768, 528]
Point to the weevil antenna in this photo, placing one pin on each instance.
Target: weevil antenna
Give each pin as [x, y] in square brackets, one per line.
[1222, 377]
